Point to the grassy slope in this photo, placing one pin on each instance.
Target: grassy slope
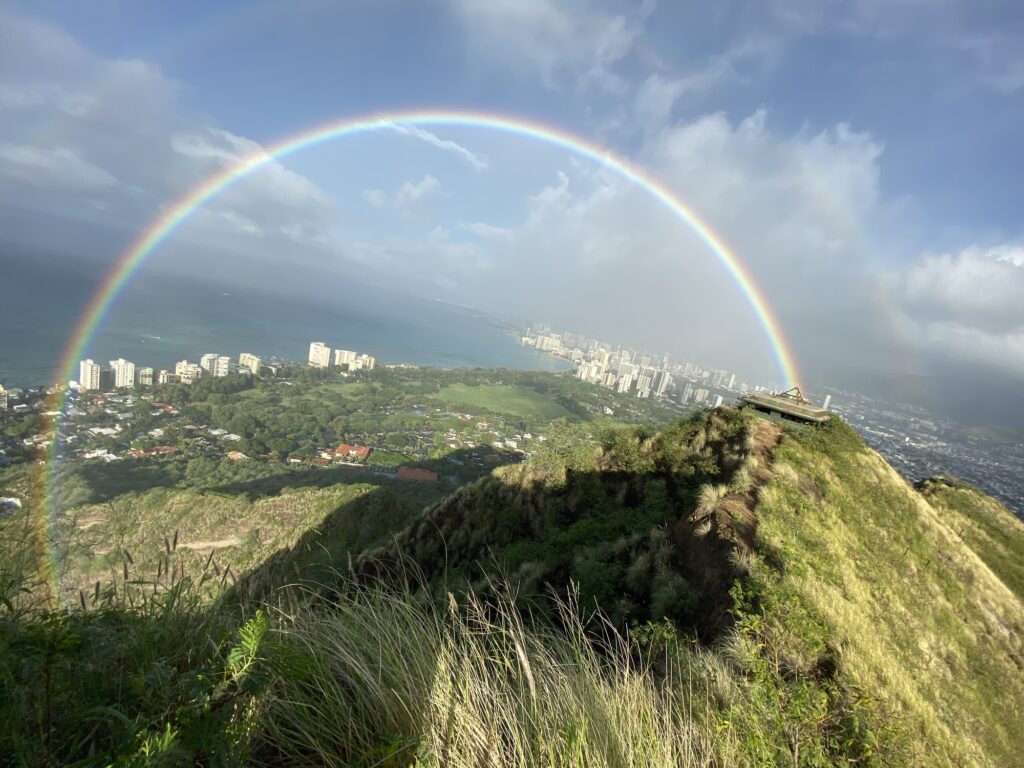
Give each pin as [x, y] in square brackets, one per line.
[863, 591]
[877, 574]
[866, 631]
[240, 531]
[518, 401]
[982, 522]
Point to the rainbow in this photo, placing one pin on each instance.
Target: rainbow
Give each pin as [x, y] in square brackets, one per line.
[181, 209]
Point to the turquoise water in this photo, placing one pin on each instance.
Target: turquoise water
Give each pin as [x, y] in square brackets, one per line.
[160, 319]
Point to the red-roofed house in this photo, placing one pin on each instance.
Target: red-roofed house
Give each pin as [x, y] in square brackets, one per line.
[352, 451]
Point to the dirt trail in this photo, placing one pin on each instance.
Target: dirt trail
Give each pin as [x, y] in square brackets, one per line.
[206, 546]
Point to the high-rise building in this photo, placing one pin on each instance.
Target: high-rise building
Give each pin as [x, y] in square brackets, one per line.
[187, 372]
[548, 343]
[732, 381]
[718, 379]
[3, 398]
[687, 393]
[716, 402]
[643, 386]
[662, 382]
[208, 362]
[89, 375]
[222, 366]
[700, 395]
[166, 377]
[827, 403]
[106, 378]
[250, 361]
[364, 363]
[344, 357]
[625, 384]
[319, 355]
[146, 377]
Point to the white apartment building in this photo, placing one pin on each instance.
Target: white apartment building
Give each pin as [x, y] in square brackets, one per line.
[187, 372]
[344, 357]
[319, 355]
[222, 366]
[662, 382]
[208, 362]
[364, 363]
[89, 375]
[146, 377]
[124, 372]
[250, 361]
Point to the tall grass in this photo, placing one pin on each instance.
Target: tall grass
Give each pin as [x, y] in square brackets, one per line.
[393, 681]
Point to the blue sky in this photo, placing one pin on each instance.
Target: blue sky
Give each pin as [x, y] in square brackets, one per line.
[863, 158]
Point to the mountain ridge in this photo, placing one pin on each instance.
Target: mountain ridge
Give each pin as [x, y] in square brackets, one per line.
[765, 594]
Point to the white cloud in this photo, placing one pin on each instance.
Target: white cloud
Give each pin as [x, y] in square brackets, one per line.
[412, 192]
[977, 289]
[557, 42]
[435, 259]
[610, 258]
[408, 196]
[478, 162]
[271, 179]
[378, 198]
[119, 126]
[486, 231]
[658, 93]
[58, 167]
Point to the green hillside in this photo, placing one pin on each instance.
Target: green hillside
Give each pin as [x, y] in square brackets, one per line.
[723, 592]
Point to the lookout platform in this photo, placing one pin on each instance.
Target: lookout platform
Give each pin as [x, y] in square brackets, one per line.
[791, 405]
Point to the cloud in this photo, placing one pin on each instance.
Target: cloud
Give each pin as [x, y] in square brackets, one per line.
[595, 252]
[60, 167]
[479, 163]
[408, 196]
[485, 231]
[217, 148]
[116, 129]
[435, 260]
[378, 198]
[658, 93]
[560, 43]
[978, 289]
[411, 193]
[999, 58]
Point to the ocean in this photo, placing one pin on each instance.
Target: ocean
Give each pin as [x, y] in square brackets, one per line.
[162, 318]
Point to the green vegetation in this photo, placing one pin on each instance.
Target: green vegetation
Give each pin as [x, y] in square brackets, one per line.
[858, 569]
[518, 401]
[720, 592]
[981, 522]
[621, 523]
